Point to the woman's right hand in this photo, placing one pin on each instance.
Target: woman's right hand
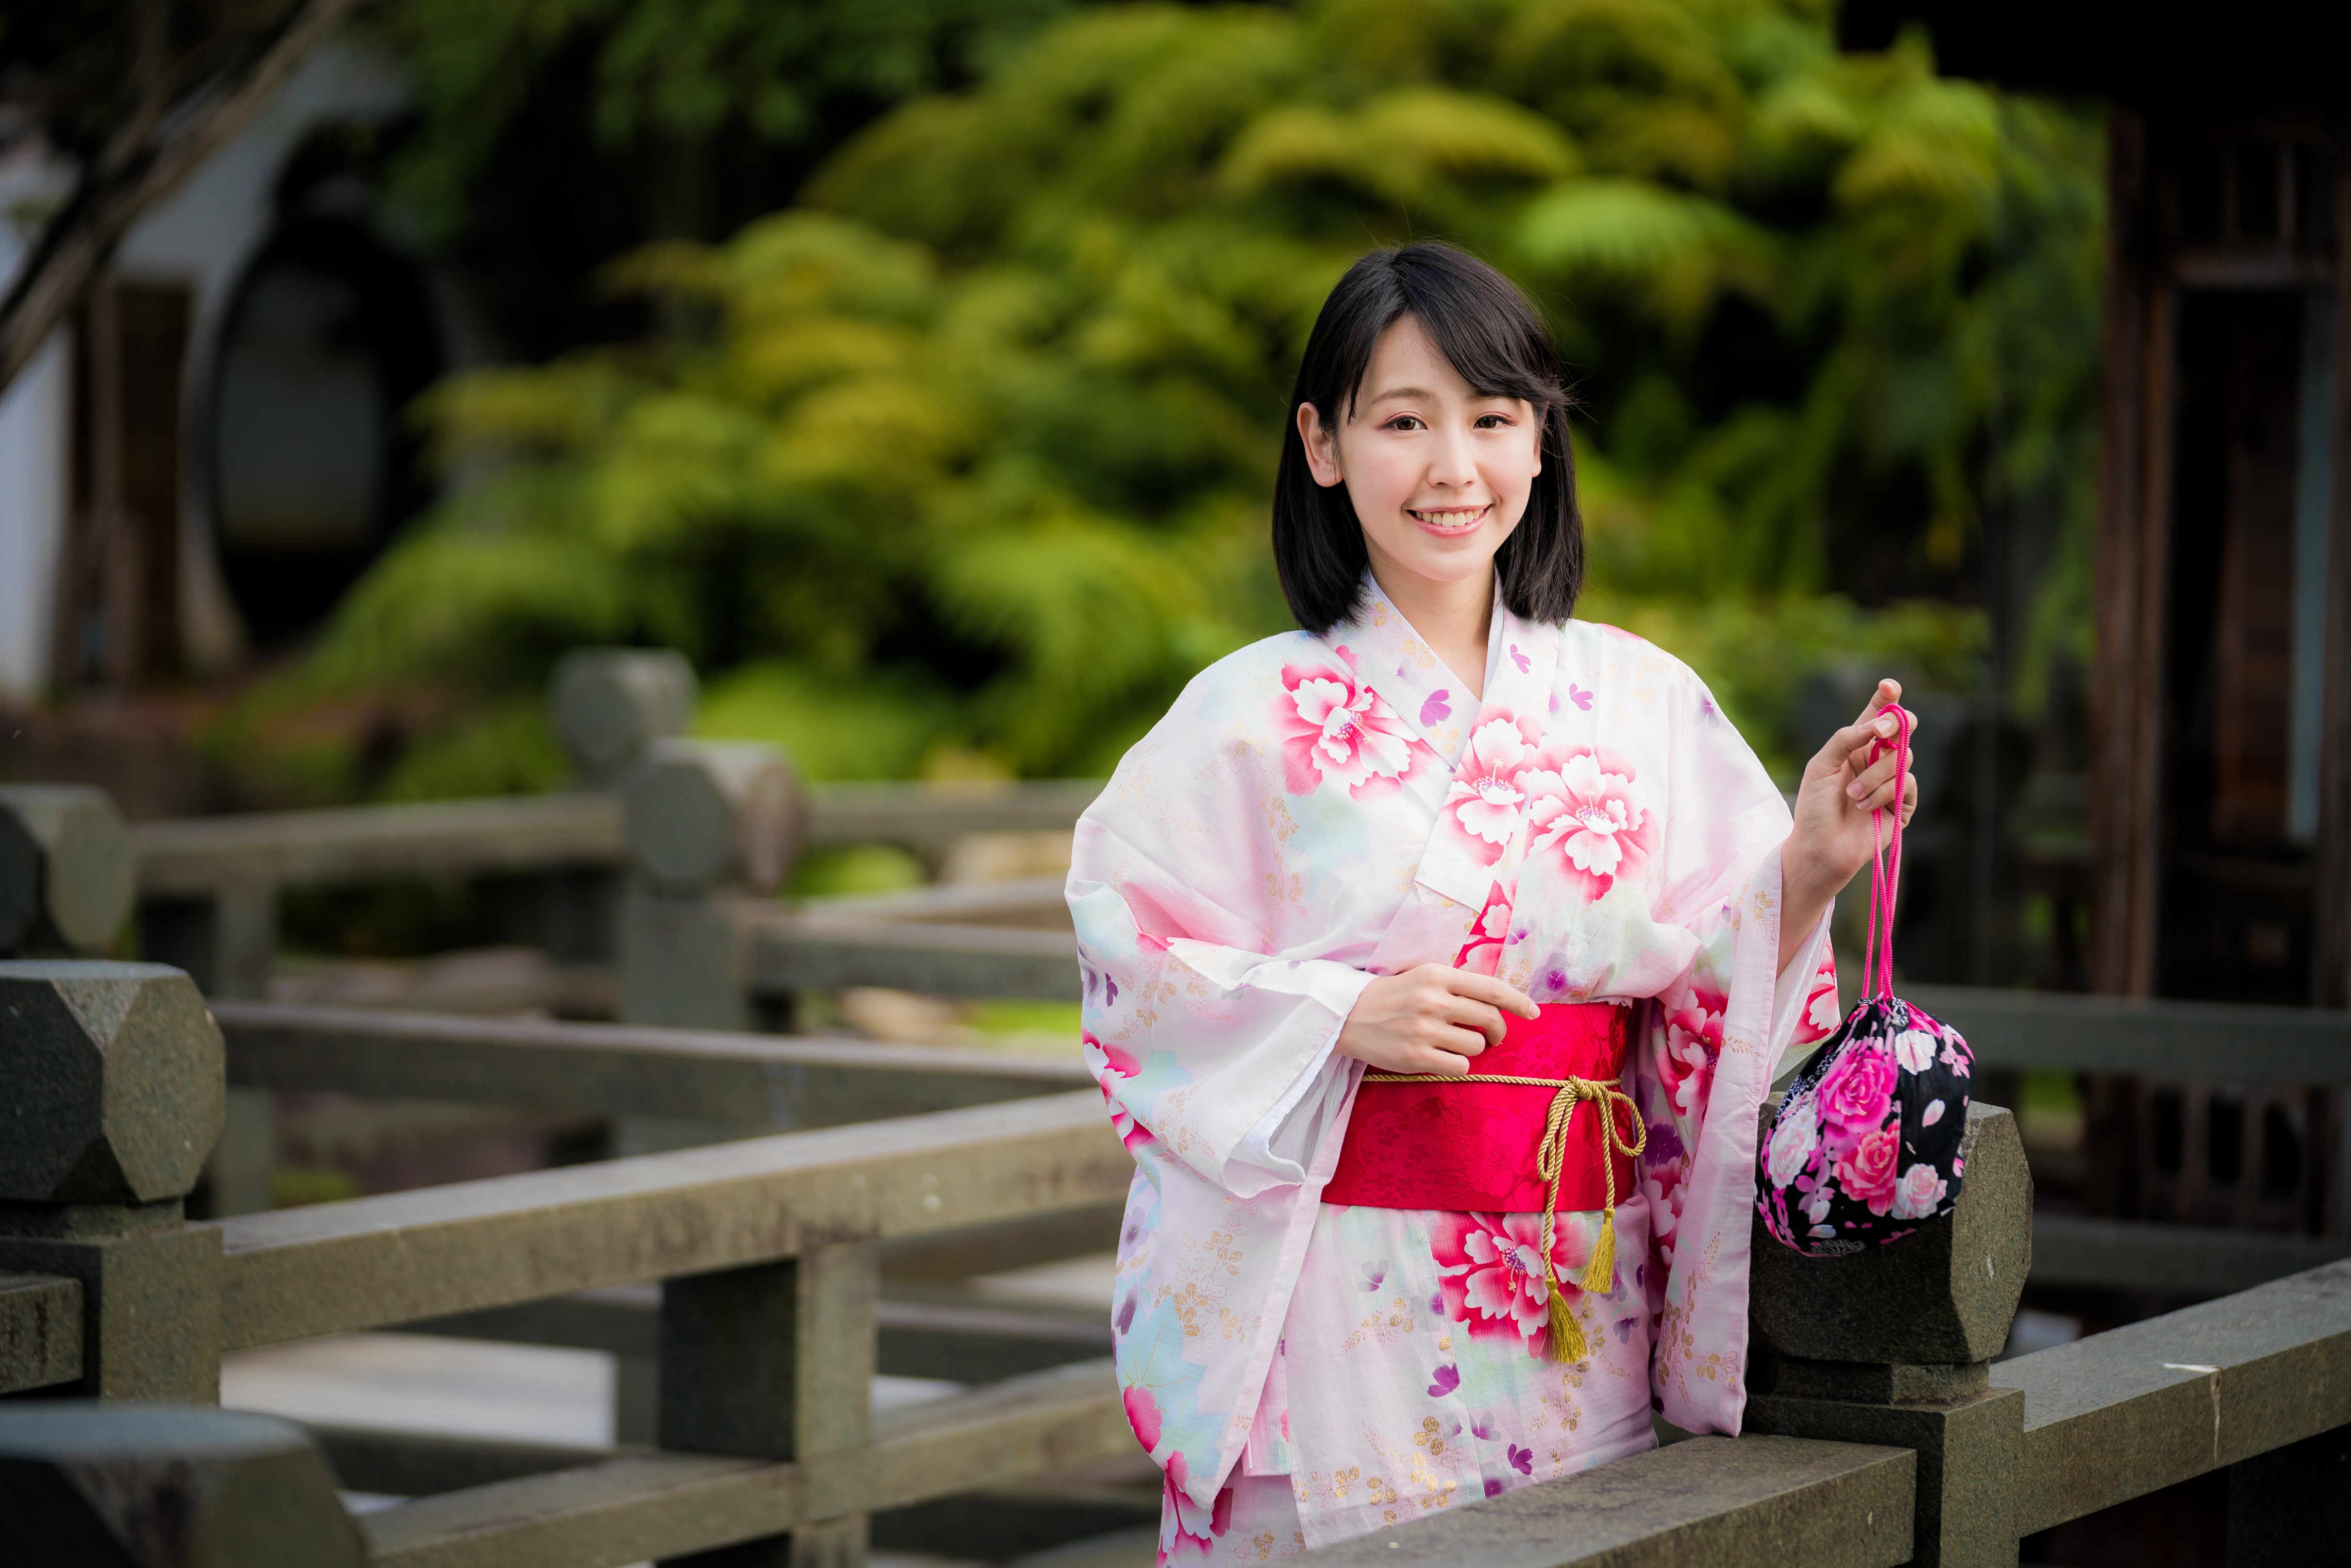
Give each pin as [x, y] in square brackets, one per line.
[1430, 1019]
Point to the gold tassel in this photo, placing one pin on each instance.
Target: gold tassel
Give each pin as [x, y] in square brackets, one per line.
[1600, 1274]
[1566, 1334]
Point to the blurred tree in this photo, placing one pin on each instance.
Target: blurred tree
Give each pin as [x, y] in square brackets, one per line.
[964, 461]
[553, 135]
[134, 95]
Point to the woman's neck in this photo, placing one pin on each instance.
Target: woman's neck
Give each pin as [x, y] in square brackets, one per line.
[1454, 619]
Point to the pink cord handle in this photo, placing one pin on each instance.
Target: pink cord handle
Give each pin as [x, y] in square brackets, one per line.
[1884, 870]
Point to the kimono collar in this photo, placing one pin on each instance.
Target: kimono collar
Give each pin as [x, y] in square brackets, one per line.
[1522, 674]
[1395, 661]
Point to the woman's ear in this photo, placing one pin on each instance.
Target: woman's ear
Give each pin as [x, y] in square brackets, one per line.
[1321, 446]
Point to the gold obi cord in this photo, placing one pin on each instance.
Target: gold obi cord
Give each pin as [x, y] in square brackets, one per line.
[1551, 1157]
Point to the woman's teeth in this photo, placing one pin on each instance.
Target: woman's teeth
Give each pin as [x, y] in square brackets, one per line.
[1453, 519]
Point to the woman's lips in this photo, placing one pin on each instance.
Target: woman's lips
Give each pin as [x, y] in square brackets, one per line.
[1449, 520]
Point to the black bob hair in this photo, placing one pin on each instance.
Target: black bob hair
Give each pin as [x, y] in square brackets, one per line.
[1492, 336]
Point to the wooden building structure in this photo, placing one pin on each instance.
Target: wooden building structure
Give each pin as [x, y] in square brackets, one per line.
[2220, 786]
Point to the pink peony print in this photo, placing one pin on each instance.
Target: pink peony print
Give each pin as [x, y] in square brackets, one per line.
[1665, 1185]
[1854, 1094]
[1487, 799]
[1867, 1174]
[1112, 1064]
[1185, 1527]
[1337, 729]
[1143, 1414]
[1693, 1044]
[1820, 1019]
[1482, 954]
[1585, 809]
[1920, 1192]
[1490, 1273]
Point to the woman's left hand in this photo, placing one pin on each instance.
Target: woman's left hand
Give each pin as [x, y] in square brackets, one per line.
[1833, 837]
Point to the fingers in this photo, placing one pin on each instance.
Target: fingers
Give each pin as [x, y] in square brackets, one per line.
[1851, 745]
[1466, 1012]
[1873, 779]
[1489, 990]
[1443, 1064]
[1888, 693]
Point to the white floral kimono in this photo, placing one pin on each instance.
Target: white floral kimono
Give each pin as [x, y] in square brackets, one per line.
[1317, 811]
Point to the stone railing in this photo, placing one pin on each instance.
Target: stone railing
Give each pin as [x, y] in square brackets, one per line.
[1877, 1430]
[766, 1329]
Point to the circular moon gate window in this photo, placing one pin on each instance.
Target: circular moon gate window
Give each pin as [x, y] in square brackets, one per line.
[329, 337]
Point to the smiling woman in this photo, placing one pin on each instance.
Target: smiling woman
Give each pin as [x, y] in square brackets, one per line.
[1437, 957]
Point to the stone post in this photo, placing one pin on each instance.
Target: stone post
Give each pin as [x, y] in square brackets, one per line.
[1894, 1346]
[708, 822]
[776, 1361]
[609, 703]
[67, 872]
[165, 1486]
[115, 1075]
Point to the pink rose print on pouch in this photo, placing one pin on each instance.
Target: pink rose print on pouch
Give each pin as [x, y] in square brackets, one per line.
[1112, 1064]
[1487, 797]
[1920, 1192]
[1855, 1097]
[1788, 1153]
[1587, 812]
[1866, 1174]
[1336, 730]
[1490, 1273]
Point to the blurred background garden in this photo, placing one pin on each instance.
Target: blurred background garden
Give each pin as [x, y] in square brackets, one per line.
[523, 514]
[917, 370]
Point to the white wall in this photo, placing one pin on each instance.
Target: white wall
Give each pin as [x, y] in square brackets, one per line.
[203, 238]
[33, 436]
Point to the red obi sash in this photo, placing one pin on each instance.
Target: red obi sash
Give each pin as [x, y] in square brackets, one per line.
[1460, 1144]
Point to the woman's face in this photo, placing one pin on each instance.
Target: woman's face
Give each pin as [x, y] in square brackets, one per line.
[1439, 473]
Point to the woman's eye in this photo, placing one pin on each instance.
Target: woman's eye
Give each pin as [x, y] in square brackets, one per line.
[1493, 422]
[1406, 421]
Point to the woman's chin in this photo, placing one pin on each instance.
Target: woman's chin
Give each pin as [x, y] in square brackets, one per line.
[1447, 557]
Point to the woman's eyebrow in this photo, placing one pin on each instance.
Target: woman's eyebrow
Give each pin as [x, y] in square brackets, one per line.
[1402, 392]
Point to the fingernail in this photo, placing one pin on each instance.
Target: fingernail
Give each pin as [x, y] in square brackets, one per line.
[1856, 790]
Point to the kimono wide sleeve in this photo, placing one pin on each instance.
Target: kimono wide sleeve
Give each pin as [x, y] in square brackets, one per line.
[1226, 919]
[1713, 1040]
[1207, 1013]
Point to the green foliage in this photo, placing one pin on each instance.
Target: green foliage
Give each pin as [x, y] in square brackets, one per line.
[968, 454]
[553, 135]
